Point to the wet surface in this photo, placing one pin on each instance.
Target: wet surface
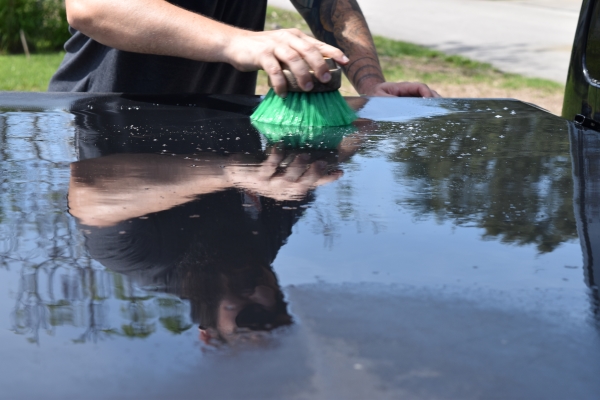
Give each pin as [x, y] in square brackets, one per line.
[162, 247]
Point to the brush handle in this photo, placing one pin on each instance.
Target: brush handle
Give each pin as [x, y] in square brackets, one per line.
[334, 84]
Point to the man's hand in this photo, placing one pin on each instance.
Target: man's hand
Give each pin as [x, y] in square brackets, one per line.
[249, 51]
[282, 177]
[401, 89]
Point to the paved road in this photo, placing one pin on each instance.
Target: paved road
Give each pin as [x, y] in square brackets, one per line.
[530, 37]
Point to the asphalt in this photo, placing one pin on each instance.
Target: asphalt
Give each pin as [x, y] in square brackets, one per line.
[529, 37]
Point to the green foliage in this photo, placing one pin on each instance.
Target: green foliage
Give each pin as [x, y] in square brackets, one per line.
[175, 324]
[44, 23]
[468, 171]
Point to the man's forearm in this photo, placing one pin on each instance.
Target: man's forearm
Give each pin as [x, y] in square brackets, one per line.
[150, 26]
[342, 24]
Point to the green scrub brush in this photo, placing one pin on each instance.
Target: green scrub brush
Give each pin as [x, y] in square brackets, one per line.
[322, 106]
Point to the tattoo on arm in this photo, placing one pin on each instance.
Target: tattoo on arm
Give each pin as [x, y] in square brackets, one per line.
[341, 23]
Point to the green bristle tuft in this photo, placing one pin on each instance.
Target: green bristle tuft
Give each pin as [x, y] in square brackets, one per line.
[304, 109]
[307, 137]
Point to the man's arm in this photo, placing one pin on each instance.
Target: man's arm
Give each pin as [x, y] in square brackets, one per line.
[159, 27]
[106, 190]
[342, 24]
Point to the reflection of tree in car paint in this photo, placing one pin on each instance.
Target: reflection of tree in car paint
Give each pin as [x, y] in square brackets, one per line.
[460, 170]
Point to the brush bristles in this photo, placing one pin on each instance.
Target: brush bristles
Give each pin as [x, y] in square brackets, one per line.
[304, 137]
[304, 109]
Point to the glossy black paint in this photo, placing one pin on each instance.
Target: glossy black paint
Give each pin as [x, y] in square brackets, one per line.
[445, 262]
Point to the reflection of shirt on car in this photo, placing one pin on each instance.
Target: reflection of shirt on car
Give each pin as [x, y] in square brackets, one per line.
[228, 224]
[89, 66]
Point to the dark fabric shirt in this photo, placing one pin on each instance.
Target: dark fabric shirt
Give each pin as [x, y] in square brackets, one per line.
[89, 66]
[227, 225]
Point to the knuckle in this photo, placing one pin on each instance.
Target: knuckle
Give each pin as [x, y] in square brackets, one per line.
[266, 52]
[308, 47]
[292, 56]
[273, 69]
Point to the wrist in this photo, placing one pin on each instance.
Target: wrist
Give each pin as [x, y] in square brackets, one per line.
[231, 46]
[368, 85]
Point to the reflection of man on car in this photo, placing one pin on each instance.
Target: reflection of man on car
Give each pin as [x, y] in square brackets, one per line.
[203, 225]
[214, 249]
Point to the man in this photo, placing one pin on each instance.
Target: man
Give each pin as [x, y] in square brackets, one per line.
[215, 46]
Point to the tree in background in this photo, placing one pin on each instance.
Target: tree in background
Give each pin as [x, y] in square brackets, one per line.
[43, 22]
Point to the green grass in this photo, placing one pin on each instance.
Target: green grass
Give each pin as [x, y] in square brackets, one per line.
[17, 73]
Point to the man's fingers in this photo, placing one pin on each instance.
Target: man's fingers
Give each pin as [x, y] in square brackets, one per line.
[270, 165]
[313, 58]
[272, 67]
[314, 173]
[312, 52]
[331, 177]
[424, 90]
[329, 51]
[296, 64]
[297, 168]
[403, 89]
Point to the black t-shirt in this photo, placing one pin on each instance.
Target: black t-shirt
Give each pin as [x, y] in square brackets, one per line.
[90, 66]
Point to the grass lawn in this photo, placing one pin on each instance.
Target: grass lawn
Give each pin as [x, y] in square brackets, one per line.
[17, 73]
[451, 76]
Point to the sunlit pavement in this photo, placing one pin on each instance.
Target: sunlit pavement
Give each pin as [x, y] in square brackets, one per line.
[530, 37]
